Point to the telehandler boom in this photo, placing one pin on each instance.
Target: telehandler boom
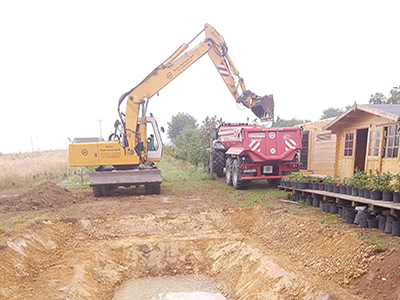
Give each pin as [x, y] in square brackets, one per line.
[136, 139]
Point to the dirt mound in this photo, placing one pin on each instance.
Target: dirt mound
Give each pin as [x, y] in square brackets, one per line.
[46, 195]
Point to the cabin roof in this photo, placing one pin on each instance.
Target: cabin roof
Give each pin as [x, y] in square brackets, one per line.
[387, 111]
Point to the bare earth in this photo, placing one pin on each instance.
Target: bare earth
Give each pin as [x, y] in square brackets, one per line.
[68, 245]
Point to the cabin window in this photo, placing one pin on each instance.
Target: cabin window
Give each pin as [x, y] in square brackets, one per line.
[391, 141]
[348, 144]
[374, 139]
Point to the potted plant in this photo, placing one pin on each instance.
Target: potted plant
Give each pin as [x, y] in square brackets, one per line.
[329, 181]
[315, 180]
[336, 184]
[396, 188]
[359, 182]
[348, 183]
[362, 182]
[381, 183]
[284, 181]
[368, 184]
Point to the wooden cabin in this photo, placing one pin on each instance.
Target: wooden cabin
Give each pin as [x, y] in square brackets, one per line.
[367, 138]
[317, 156]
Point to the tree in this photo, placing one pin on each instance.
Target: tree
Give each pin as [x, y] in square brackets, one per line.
[378, 98]
[287, 123]
[178, 123]
[331, 112]
[393, 98]
[189, 146]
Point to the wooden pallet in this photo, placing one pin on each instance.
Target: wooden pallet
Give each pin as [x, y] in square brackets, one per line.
[374, 205]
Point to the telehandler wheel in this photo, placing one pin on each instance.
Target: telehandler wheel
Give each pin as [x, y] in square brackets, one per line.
[219, 163]
[97, 191]
[228, 171]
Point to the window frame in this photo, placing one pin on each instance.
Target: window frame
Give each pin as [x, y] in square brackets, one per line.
[391, 141]
[348, 144]
[374, 148]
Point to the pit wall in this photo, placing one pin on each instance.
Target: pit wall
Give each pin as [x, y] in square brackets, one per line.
[251, 253]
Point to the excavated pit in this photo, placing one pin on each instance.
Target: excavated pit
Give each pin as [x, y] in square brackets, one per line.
[64, 245]
[250, 253]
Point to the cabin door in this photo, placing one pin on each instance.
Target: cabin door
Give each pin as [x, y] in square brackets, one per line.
[360, 149]
[304, 151]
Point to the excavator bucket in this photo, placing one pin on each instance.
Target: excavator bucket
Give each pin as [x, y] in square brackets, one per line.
[263, 107]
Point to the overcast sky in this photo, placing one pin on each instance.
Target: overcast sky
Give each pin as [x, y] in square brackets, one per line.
[64, 64]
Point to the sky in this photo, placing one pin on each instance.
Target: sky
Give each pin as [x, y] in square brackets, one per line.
[64, 64]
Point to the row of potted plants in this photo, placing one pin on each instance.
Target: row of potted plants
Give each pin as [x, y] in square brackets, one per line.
[372, 185]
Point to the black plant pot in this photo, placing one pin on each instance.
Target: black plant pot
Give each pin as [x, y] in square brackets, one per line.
[330, 187]
[349, 190]
[367, 194]
[321, 186]
[361, 192]
[372, 223]
[354, 191]
[336, 188]
[396, 197]
[302, 185]
[343, 189]
[376, 195]
[326, 186]
[315, 186]
[387, 196]
[315, 202]
[382, 223]
[333, 209]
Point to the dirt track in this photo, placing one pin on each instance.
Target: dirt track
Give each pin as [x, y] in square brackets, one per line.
[77, 247]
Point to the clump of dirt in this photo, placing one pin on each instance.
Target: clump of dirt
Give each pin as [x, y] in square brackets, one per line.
[46, 195]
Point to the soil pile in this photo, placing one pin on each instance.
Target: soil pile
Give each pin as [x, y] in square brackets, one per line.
[44, 196]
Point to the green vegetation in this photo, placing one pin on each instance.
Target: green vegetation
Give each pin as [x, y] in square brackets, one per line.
[8, 226]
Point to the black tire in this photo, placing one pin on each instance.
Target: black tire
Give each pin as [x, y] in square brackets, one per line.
[228, 171]
[219, 163]
[97, 191]
[273, 182]
[237, 181]
[106, 190]
[152, 189]
[157, 189]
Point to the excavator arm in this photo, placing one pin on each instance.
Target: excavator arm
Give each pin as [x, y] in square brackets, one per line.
[213, 44]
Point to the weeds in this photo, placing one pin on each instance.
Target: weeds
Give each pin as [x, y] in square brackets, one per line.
[9, 225]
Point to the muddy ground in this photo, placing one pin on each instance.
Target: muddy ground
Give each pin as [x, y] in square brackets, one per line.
[62, 244]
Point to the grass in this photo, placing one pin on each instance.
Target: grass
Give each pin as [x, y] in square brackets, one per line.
[24, 170]
[8, 226]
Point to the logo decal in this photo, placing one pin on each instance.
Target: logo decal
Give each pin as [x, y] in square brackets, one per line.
[272, 135]
[273, 150]
[84, 152]
[257, 135]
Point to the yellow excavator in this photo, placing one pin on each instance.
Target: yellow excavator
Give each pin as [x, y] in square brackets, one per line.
[136, 139]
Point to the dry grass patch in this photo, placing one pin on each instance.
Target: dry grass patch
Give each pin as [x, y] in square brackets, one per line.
[25, 170]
